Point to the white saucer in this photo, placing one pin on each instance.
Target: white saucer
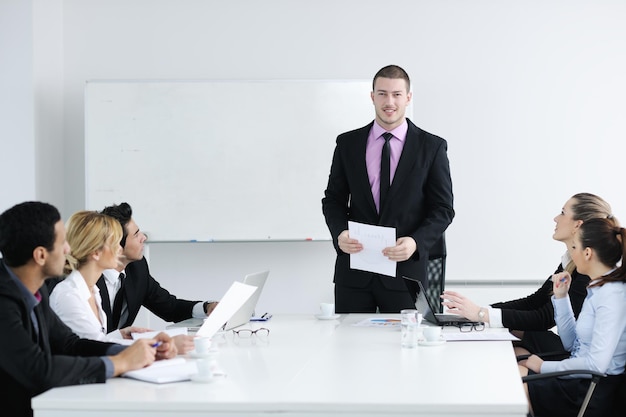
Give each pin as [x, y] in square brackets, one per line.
[433, 343]
[196, 355]
[333, 317]
[205, 379]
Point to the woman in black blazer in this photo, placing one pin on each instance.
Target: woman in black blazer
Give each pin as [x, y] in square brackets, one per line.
[532, 317]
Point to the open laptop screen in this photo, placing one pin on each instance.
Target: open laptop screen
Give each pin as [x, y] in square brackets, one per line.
[423, 305]
[246, 311]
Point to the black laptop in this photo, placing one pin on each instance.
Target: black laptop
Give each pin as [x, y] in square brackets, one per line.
[423, 305]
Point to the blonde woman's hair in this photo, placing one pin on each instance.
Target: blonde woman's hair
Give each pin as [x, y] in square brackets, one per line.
[87, 232]
[587, 206]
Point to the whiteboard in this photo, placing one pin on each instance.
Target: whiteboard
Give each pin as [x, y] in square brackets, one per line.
[218, 160]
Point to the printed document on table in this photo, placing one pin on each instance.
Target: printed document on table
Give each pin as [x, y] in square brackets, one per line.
[374, 239]
[235, 297]
[378, 322]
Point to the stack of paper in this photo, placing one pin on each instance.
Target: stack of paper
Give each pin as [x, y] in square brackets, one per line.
[164, 371]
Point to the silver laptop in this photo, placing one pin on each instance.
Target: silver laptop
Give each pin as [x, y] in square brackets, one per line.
[423, 305]
[241, 316]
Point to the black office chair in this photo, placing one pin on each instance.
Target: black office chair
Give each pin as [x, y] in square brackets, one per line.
[618, 399]
[436, 281]
[595, 380]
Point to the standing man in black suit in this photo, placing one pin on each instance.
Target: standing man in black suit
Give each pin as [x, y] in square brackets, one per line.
[418, 202]
[139, 287]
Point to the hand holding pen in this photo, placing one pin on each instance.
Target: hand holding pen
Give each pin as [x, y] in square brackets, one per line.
[560, 284]
[143, 352]
[165, 346]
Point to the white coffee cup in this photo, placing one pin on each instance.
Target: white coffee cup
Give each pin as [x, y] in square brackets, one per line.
[202, 345]
[205, 367]
[327, 309]
[432, 333]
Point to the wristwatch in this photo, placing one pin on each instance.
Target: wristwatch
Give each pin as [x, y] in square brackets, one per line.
[481, 314]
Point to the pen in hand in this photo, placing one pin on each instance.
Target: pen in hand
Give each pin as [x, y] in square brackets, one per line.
[561, 285]
[157, 344]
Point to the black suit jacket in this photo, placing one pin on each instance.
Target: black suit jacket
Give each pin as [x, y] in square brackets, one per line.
[419, 203]
[143, 290]
[536, 311]
[31, 364]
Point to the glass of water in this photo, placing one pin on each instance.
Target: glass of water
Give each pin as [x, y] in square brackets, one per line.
[409, 325]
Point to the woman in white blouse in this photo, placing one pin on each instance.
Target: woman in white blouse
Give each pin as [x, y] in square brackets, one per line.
[597, 340]
[94, 240]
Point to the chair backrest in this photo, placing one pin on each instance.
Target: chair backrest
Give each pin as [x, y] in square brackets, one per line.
[436, 281]
[50, 283]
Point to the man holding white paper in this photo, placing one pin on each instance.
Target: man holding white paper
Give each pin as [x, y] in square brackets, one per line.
[374, 240]
[416, 199]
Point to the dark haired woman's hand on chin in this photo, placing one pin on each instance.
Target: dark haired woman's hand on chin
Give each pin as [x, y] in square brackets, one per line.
[560, 284]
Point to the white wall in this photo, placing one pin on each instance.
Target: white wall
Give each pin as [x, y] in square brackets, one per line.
[31, 105]
[48, 95]
[533, 69]
[300, 272]
[17, 136]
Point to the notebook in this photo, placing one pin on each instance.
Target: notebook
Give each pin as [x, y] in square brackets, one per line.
[165, 371]
[241, 316]
[423, 305]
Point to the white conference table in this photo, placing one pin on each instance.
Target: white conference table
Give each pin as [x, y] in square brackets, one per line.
[309, 367]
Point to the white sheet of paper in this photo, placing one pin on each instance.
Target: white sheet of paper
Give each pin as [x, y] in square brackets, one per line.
[374, 239]
[237, 294]
[165, 371]
[487, 334]
[170, 332]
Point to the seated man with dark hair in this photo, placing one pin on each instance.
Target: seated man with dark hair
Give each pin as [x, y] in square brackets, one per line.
[39, 351]
[139, 288]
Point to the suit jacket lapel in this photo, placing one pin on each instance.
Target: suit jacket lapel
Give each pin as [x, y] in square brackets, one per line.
[106, 302]
[42, 330]
[407, 161]
[361, 164]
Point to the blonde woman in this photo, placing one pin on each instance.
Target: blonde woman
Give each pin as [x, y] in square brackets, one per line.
[94, 240]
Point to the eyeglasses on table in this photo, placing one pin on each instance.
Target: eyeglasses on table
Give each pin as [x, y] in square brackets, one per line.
[468, 327]
[248, 333]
